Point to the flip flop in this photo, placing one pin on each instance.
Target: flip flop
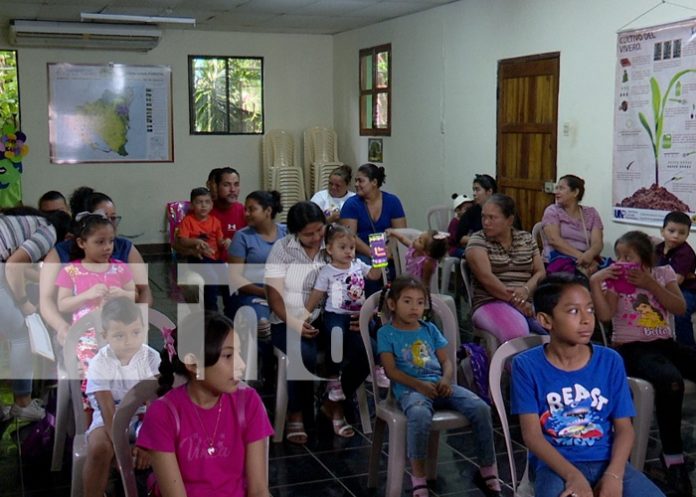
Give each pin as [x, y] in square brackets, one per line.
[294, 433]
[481, 483]
[342, 428]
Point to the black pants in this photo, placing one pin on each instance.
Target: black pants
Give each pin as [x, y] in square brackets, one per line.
[664, 363]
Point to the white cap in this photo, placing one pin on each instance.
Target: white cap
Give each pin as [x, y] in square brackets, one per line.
[459, 200]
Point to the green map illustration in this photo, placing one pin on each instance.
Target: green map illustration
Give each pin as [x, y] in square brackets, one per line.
[107, 119]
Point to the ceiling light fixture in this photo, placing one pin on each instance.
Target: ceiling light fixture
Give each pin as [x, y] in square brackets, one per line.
[88, 16]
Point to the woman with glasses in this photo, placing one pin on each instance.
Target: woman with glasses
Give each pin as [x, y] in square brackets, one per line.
[85, 199]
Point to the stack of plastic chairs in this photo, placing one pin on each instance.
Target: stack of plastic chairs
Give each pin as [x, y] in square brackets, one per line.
[320, 157]
[279, 170]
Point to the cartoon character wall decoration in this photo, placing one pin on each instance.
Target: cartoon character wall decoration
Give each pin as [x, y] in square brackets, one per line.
[13, 149]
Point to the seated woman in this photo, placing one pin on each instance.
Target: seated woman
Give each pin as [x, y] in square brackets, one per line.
[506, 268]
[470, 222]
[332, 199]
[573, 233]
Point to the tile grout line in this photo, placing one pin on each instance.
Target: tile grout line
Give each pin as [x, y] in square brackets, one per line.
[336, 478]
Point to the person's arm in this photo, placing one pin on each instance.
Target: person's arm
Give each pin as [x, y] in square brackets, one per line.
[401, 237]
[105, 399]
[15, 275]
[360, 246]
[552, 232]
[127, 290]
[480, 265]
[274, 287]
[605, 302]
[67, 302]
[444, 386]
[47, 296]
[236, 267]
[575, 481]
[429, 268]
[611, 483]
[399, 222]
[143, 295]
[314, 298]
[166, 469]
[427, 388]
[256, 468]
[669, 295]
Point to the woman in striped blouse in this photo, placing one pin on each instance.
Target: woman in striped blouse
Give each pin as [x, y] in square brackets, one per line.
[506, 266]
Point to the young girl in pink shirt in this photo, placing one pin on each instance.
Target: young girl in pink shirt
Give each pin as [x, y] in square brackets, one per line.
[208, 436]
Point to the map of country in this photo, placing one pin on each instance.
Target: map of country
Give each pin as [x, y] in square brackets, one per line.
[106, 121]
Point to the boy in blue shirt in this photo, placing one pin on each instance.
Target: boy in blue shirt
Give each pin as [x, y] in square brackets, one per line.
[574, 403]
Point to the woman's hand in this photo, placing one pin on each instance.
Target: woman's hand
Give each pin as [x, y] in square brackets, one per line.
[305, 328]
[585, 260]
[27, 308]
[608, 486]
[577, 486]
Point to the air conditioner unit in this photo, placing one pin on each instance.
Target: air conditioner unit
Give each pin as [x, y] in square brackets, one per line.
[98, 36]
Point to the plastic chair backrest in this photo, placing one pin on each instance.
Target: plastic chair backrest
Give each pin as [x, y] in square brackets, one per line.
[466, 278]
[538, 236]
[495, 373]
[144, 391]
[325, 145]
[176, 211]
[450, 329]
[439, 217]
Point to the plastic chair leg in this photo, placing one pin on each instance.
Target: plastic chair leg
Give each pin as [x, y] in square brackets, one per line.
[79, 455]
[281, 407]
[396, 461]
[525, 488]
[62, 419]
[375, 452]
[364, 409]
[644, 401]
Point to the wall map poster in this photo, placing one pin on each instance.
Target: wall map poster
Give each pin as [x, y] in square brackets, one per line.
[109, 113]
[654, 162]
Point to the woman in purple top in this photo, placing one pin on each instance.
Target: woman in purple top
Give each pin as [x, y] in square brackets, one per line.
[573, 234]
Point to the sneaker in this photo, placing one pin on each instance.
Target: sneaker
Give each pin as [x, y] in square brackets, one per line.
[678, 478]
[381, 376]
[31, 412]
[335, 391]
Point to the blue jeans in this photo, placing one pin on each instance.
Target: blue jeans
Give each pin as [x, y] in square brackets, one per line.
[239, 300]
[682, 324]
[419, 410]
[635, 484]
[354, 367]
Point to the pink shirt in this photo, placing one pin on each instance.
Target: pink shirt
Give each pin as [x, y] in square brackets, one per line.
[571, 228]
[415, 263]
[80, 279]
[182, 427]
[639, 316]
[231, 220]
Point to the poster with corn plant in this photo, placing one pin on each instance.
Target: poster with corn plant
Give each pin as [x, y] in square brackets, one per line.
[654, 156]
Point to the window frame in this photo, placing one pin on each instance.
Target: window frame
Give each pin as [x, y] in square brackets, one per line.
[374, 91]
[192, 105]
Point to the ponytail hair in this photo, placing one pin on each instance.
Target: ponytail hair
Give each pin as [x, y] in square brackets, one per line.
[267, 199]
[373, 172]
[216, 327]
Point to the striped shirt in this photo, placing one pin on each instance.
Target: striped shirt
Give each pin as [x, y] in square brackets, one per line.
[512, 267]
[289, 261]
[32, 234]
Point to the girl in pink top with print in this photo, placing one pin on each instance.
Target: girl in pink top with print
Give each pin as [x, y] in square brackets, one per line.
[639, 298]
[423, 253]
[92, 278]
[208, 436]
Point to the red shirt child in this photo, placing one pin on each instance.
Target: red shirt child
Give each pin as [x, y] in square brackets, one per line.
[200, 225]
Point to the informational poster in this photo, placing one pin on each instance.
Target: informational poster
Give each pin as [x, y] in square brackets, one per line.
[109, 113]
[654, 163]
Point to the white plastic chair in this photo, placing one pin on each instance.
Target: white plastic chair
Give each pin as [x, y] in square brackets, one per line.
[398, 250]
[321, 172]
[439, 217]
[495, 374]
[320, 147]
[490, 341]
[278, 150]
[143, 392]
[388, 413]
[289, 181]
[538, 235]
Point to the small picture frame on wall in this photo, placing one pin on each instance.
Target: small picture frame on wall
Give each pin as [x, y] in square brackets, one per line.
[374, 150]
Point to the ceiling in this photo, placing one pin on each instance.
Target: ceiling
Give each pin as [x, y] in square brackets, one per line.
[268, 16]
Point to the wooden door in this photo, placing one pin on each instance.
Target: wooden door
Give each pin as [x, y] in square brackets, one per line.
[527, 131]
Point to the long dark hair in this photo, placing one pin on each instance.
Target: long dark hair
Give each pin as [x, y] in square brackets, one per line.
[216, 327]
[85, 227]
[85, 199]
[401, 283]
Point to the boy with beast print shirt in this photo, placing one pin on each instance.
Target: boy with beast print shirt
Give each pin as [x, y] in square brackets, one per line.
[574, 403]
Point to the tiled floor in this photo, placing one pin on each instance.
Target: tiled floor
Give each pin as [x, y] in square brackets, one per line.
[327, 466]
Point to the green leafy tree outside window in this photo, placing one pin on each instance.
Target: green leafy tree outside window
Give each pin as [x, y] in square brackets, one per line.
[9, 89]
[226, 95]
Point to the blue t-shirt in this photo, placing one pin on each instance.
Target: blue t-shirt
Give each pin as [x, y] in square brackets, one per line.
[576, 408]
[414, 352]
[122, 248]
[250, 246]
[355, 208]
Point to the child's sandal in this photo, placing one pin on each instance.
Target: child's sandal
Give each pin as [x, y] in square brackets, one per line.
[295, 433]
[421, 491]
[482, 483]
[342, 428]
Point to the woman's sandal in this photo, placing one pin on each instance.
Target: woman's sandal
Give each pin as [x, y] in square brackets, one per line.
[295, 434]
[342, 428]
[421, 491]
[482, 483]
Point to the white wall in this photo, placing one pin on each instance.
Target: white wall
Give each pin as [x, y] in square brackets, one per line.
[444, 76]
[297, 92]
